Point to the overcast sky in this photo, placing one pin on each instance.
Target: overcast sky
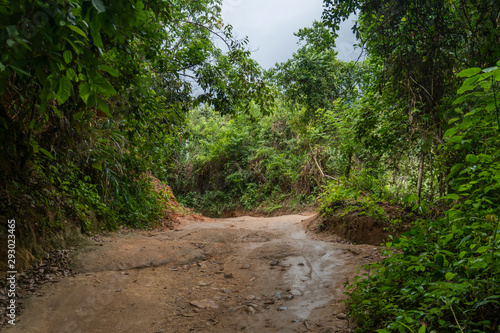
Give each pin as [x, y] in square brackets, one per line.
[270, 25]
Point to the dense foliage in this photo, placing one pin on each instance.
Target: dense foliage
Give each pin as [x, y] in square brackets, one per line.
[443, 275]
[95, 94]
[432, 112]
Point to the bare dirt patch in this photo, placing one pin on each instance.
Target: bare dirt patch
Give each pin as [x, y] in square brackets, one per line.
[358, 227]
[245, 274]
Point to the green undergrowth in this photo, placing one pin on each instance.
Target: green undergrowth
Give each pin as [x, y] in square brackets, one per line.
[252, 161]
[444, 274]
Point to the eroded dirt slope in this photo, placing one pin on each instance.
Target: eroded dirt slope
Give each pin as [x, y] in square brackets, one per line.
[229, 275]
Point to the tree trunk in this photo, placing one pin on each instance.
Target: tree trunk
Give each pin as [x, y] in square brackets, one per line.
[420, 176]
[431, 161]
[349, 164]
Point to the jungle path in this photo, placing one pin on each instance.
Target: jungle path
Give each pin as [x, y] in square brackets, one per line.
[243, 274]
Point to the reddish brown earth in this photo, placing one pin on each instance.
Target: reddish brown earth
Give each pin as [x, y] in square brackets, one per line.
[243, 274]
[359, 228]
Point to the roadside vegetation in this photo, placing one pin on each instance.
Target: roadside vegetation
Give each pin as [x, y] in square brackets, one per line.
[94, 102]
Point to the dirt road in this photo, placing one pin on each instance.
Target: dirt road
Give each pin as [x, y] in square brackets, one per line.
[224, 275]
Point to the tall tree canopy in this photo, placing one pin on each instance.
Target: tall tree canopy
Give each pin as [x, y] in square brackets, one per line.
[105, 86]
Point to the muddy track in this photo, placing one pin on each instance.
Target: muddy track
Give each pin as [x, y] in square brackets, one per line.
[224, 275]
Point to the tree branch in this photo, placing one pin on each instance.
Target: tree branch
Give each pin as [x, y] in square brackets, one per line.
[210, 30]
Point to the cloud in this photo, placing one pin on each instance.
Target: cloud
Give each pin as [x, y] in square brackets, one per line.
[270, 25]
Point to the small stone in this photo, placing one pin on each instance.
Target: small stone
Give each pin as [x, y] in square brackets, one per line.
[247, 266]
[204, 284]
[228, 275]
[341, 316]
[204, 304]
[288, 297]
[282, 308]
[250, 310]
[274, 263]
[301, 264]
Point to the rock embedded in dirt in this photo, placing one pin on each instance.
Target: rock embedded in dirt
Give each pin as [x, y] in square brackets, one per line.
[295, 292]
[204, 304]
[274, 263]
[341, 316]
[250, 310]
[282, 308]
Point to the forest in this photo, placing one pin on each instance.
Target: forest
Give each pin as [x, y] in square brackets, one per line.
[97, 97]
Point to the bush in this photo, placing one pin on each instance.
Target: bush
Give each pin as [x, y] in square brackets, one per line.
[444, 275]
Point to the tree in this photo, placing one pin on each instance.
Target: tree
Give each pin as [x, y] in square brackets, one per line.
[106, 86]
[314, 77]
[420, 46]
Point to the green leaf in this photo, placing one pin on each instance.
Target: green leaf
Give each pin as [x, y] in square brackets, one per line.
[469, 72]
[46, 153]
[85, 91]
[56, 111]
[95, 30]
[2, 67]
[97, 165]
[99, 6]
[77, 30]
[490, 69]
[103, 107]
[67, 55]
[19, 70]
[460, 100]
[451, 196]
[109, 69]
[450, 132]
[465, 88]
[471, 158]
[105, 88]
[71, 74]
[422, 329]
[456, 168]
[64, 91]
[439, 260]
[483, 249]
[77, 116]
[450, 276]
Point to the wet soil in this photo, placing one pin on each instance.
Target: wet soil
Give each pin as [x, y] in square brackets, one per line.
[242, 274]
